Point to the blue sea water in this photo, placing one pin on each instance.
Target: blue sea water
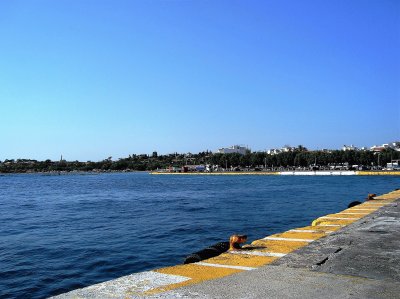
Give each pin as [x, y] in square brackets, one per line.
[59, 233]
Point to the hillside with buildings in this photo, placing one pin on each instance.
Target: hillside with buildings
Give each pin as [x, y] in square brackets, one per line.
[234, 158]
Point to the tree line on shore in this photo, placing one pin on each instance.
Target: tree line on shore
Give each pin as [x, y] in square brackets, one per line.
[298, 158]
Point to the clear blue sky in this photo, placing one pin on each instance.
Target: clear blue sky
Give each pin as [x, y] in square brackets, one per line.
[91, 79]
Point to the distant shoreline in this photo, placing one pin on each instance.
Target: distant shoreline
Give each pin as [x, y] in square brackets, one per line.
[55, 173]
[293, 173]
[254, 173]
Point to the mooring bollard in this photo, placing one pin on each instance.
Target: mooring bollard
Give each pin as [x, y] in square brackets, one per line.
[235, 241]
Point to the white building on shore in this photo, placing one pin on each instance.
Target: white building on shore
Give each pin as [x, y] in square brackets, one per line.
[392, 145]
[273, 151]
[285, 149]
[233, 149]
[349, 148]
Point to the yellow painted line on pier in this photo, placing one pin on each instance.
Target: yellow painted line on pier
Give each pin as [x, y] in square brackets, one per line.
[301, 235]
[336, 217]
[389, 196]
[377, 202]
[208, 264]
[288, 239]
[355, 213]
[367, 210]
[326, 229]
[277, 246]
[378, 172]
[336, 222]
[196, 273]
[241, 260]
[252, 251]
[334, 225]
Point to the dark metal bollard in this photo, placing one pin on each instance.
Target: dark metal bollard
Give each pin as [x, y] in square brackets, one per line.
[207, 253]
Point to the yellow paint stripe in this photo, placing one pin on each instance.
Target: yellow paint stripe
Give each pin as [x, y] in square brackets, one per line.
[389, 196]
[276, 246]
[340, 217]
[381, 199]
[306, 231]
[341, 222]
[241, 260]
[359, 213]
[301, 235]
[297, 231]
[344, 216]
[207, 264]
[320, 228]
[356, 213]
[258, 253]
[335, 225]
[288, 239]
[360, 210]
[197, 273]
[378, 172]
[373, 206]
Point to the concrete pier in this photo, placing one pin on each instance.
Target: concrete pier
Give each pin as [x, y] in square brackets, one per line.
[352, 254]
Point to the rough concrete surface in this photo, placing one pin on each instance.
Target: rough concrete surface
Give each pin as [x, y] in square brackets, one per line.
[283, 282]
[368, 248]
[120, 287]
[360, 261]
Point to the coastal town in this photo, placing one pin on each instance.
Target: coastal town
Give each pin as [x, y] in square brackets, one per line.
[236, 158]
[375, 150]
